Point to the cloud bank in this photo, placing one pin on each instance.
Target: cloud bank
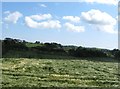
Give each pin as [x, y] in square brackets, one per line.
[41, 17]
[50, 24]
[101, 20]
[71, 27]
[75, 19]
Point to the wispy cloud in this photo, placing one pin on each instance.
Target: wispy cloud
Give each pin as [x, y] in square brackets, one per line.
[101, 20]
[7, 12]
[13, 17]
[109, 2]
[42, 5]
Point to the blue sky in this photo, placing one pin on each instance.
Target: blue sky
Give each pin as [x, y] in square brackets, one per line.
[79, 23]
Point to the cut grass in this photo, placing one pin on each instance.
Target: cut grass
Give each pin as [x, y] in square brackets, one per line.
[25, 72]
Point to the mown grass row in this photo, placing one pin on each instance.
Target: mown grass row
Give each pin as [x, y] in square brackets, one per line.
[59, 73]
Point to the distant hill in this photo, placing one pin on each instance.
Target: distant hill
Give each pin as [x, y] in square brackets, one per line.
[23, 49]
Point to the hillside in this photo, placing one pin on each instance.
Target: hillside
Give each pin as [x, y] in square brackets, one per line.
[22, 49]
[36, 65]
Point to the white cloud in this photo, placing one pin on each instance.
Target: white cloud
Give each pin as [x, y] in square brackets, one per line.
[13, 17]
[41, 17]
[71, 27]
[98, 17]
[75, 19]
[43, 5]
[106, 28]
[109, 2]
[50, 24]
[102, 20]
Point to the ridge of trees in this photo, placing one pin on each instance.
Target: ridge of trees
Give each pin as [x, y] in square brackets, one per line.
[9, 44]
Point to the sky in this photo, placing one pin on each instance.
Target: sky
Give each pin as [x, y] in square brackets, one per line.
[89, 23]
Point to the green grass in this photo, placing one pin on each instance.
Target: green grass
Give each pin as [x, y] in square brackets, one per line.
[23, 72]
[33, 44]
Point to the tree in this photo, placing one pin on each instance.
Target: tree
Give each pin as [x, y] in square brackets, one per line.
[37, 42]
[116, 53]
[12, 44]
[88, 52]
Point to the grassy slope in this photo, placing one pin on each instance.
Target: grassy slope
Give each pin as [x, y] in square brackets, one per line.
[33, 44]
[71, 73]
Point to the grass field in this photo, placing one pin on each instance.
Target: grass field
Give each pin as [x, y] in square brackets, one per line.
[23, 72]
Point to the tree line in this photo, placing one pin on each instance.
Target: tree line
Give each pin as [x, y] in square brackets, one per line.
[9, 44]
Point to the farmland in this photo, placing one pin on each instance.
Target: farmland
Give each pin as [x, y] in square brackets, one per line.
[27, 64]
[81, 72]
